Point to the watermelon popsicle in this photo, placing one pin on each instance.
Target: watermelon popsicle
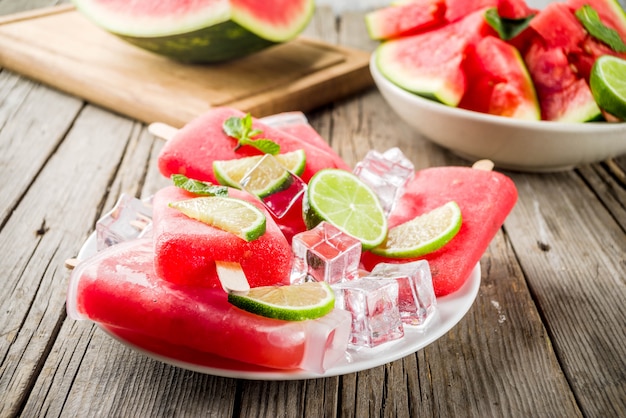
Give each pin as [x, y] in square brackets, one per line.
[186, 249]
[194, 147]
[118, 288]
[485, 199]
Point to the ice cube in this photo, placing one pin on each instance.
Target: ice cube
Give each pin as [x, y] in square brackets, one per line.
[386, 173]
[283, 119]
[374, 308]
[130, 218]
[282, 189]
[325, 253]
[416, 297]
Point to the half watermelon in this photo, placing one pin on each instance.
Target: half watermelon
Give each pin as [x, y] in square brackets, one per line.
[200, 31]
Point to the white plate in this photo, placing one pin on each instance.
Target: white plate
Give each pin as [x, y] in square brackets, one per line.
[533, 146]
[450, 310]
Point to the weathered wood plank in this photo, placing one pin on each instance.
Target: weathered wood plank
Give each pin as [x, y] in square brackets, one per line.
[560, 227]
[29, 134]
[48, 225]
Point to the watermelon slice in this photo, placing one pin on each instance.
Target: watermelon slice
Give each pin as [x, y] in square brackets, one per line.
[429, 63]
[459, 9]
[186, 249]
[562, 94]
[500, 83]
[515, 9]
[405, 19]
[200, 30]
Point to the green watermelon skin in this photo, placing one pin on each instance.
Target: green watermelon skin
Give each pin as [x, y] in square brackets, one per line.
[204, 46]
[200, 31]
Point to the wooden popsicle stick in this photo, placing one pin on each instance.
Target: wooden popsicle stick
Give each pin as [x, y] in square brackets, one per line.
[485, 165]
[232, 277]
[162, 130]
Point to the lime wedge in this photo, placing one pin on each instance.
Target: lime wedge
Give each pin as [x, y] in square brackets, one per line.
[231, 172]
[229, 214]
[608, 85]
[296, 302]
[342, 199]
[422, 234]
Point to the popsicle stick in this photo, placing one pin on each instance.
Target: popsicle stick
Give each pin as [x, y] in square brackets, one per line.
[162, 130]
[232, 277]
[485, 165]
[71, 263]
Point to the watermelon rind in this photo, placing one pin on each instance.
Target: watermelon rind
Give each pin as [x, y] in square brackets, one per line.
[206, 45]
[203, 31]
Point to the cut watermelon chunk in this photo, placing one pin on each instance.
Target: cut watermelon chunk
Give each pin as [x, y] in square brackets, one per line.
[609, 11]
[429, 63]
[459, 9]
[563, 96]
[200, 30]
[515, 9]
[500, 83]
[405, 19]
[559, 28]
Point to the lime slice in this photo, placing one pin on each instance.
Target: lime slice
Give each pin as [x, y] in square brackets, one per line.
[296, 302]
[608, 85]
[229, 214]
[342, 199]
[422, 234]
[231, 172]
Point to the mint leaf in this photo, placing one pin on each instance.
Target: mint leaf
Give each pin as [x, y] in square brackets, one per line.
[198, 187]
[241, 130]
[506, 28]
[591, 21]
[266, 146]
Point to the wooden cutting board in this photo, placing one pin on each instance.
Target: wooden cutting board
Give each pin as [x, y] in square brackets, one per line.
[59, 47]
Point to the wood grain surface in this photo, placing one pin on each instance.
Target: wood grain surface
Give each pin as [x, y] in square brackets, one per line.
[544, 338]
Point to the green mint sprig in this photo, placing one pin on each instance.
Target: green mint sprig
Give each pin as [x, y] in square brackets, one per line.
[506, 28]
[241, 130]
[198, 187]
[590, 19]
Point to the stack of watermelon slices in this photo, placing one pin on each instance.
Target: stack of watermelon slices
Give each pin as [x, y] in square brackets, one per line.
[500, 57]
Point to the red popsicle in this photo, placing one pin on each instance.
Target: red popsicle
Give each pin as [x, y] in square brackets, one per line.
[194, 147]
[186, 249]
[118, 288]
[485, 198]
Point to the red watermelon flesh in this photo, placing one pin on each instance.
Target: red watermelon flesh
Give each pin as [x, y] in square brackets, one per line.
[459, 9]
[119, 288]
[562, 94]
[485, 198]
[514, 9]
[500, 84]
[186, 249]
[559, 28]
[430, 63]
[302, 130]
[405, 19]
[194, 148]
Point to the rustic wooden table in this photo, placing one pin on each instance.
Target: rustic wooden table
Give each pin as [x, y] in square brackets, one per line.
[545, 337]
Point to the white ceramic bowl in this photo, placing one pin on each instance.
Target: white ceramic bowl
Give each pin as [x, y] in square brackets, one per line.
[533, 146]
